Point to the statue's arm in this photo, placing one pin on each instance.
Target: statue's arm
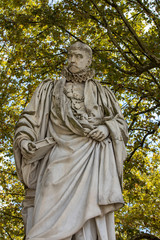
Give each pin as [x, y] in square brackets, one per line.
[113, 123]
[28, 129]
[114, 118]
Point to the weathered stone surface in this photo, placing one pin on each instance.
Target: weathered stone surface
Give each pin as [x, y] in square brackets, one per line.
[69, 149]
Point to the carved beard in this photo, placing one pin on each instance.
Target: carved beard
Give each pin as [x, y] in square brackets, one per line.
[82, 76]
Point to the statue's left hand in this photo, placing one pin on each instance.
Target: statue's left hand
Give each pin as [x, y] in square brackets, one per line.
[100, 133]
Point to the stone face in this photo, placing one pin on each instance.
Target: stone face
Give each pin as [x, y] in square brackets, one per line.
[69, 150]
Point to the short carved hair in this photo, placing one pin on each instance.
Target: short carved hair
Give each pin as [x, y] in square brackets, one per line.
[81, 46]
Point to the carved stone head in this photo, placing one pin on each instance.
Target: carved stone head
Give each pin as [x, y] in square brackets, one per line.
[79, 57]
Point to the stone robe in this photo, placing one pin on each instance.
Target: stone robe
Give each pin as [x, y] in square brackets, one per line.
[79, 178]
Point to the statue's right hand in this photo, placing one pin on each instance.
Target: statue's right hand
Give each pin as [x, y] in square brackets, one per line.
[27, 148]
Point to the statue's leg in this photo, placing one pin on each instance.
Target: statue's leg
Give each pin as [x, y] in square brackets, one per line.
[106, 227]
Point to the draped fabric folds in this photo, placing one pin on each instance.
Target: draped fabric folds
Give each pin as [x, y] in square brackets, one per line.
[80, 178]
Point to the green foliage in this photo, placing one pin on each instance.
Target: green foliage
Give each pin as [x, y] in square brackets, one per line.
[11, 200]
[125, 38]
[141, 195]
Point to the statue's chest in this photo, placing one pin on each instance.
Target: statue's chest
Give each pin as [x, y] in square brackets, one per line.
[75, 92]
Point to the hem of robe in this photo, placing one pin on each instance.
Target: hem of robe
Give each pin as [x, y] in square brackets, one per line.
[104, 211]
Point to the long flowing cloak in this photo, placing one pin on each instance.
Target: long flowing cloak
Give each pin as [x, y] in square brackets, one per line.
[80, 178]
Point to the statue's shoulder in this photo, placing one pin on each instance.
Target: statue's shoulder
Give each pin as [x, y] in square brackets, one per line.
[99, 85]
[46, 82]
[104, 89]
[95, 82]
[44, 87]
[110, 92]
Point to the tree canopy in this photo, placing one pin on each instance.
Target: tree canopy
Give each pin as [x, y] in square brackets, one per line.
[125, 39]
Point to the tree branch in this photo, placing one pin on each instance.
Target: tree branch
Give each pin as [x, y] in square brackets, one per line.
[10, 173]
[7, 233]
[158, 5]
[137, 104]
[139, 129]
[9, 215]
[141, 144]
[139, 69]
[135, 16]
[106, 25]
[63, 28]
[146, 236]
[13, 194]
[149, 13]
[154, 79]
[147, 67]
[132, 31]
[148, 110]
[142, 68]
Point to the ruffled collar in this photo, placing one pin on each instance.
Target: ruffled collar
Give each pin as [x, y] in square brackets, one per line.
[83, 76]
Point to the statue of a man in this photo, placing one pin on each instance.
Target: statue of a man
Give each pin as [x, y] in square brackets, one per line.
[69, 150]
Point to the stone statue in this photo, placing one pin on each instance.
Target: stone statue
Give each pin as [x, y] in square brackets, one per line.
[69, 150]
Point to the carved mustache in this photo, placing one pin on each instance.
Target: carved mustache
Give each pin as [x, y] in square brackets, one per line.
[72, 65]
